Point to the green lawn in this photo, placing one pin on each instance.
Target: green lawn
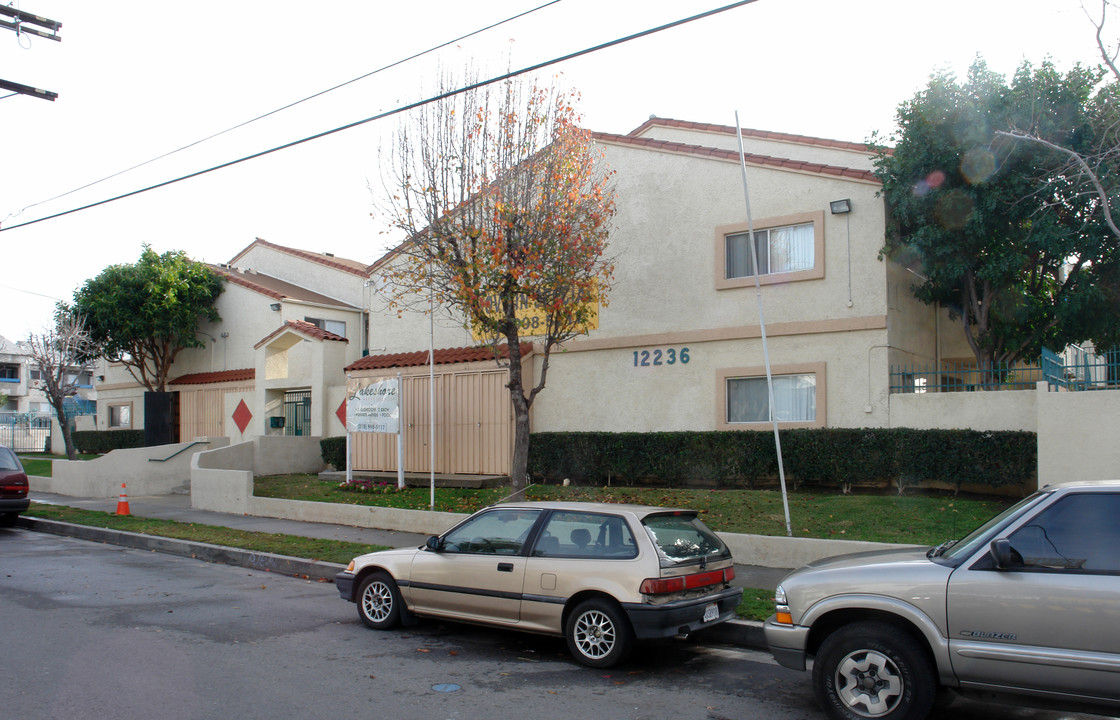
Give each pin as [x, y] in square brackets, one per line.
[40, 464]
[917, 519]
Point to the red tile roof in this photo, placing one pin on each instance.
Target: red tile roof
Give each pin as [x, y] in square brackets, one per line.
[443, 356]
[747, 132]
[305, 328]
[206, 378]
[733, 156]
[354, 267]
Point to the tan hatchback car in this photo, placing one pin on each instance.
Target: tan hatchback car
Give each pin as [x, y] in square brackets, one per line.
[601, 575]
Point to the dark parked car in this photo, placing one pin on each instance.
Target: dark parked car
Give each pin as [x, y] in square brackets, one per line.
[13, 488]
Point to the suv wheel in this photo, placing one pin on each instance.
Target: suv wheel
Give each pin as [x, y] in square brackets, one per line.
[873, 670]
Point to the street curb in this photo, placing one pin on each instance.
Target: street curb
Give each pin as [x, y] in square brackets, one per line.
[268, 562]
[742, 633]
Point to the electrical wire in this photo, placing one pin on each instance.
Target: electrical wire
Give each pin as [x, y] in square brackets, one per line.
[285, 107]
[396, 111]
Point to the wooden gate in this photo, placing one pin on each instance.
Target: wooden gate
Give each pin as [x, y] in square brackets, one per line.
[473, 426]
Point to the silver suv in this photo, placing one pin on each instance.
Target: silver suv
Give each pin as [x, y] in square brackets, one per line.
[1026, 610]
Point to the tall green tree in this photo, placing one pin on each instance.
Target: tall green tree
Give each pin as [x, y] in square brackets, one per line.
[1014, 248]
[142, 315]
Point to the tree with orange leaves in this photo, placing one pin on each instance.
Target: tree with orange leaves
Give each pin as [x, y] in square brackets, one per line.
[507, 207]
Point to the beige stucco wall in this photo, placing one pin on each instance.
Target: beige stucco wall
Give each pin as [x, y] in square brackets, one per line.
[325, 280]
[1077, 436]
[665, 244]
[146, 471]
[997, 410]
[776, 147]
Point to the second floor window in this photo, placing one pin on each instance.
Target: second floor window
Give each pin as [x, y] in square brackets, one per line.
[780, 250]
[9, 372]
[333, 326]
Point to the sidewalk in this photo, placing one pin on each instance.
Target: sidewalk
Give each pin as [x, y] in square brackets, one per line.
[178, 507]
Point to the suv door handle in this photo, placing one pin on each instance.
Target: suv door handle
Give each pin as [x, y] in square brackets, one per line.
[505, 567]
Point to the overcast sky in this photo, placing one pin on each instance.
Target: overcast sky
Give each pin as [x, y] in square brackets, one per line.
[137, 80]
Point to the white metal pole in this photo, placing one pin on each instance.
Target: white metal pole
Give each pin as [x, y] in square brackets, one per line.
[400, 433]
[762, 324]
[431, 390]
[349, 465]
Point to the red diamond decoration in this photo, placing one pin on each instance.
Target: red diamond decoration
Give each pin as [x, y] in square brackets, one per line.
[341, 413]
[242, 416]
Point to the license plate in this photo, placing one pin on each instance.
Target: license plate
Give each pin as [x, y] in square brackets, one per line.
[711, 612]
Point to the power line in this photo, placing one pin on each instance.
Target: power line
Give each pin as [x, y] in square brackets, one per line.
[285, 107]
[396, 111]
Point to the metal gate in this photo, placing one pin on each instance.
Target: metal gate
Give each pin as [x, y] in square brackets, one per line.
[25, 432]
[297, 412]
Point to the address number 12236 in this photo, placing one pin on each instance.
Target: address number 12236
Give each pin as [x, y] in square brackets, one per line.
[659, 356]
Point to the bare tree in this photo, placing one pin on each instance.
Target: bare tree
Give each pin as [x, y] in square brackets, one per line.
[507, 206]
[59, 352]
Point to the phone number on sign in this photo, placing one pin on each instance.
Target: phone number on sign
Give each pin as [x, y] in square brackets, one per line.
[658, 356]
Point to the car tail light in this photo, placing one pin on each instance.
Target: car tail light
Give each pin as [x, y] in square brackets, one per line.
[14, 487]
[661, 586]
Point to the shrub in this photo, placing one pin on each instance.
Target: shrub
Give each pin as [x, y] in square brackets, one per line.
[334, 451]
[102, 441]
[828, 456]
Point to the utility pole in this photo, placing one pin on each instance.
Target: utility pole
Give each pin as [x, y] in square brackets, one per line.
[18, 24]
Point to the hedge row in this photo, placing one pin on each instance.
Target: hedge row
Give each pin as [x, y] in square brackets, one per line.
[102, 441]
[334, 451]
[829, 456]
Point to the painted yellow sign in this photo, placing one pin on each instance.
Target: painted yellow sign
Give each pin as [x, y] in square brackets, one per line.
[532, 320]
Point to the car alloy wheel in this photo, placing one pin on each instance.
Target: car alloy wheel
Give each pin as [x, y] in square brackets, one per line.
[379, 602]
[598, 633]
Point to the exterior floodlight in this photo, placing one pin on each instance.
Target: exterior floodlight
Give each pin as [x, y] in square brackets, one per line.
[840, 207]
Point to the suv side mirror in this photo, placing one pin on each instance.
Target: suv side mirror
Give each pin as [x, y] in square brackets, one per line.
[433, 542]
[1004, 555]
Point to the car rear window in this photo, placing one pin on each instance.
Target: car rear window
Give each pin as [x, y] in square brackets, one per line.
[586, 535]
[8, 460]
[682, 537]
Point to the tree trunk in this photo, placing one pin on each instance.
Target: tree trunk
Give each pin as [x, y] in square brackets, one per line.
[519, 472]
[67, 437]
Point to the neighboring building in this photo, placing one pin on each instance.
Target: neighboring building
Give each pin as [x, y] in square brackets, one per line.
[21, 382]
[289, 317]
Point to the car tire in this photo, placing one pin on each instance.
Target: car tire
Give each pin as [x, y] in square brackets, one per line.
[873, 670]
[598, 633]
[379, 601]
[8, 520]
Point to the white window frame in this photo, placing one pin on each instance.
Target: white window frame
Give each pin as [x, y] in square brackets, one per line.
[726, 375]
[126, 407]
[762, 228]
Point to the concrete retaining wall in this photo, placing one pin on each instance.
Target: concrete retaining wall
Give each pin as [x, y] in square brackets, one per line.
[159, 470]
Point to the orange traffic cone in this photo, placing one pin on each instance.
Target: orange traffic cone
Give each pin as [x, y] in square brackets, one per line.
[122, 504]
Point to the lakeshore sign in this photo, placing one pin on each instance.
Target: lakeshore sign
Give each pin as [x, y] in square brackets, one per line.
[373, 405]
